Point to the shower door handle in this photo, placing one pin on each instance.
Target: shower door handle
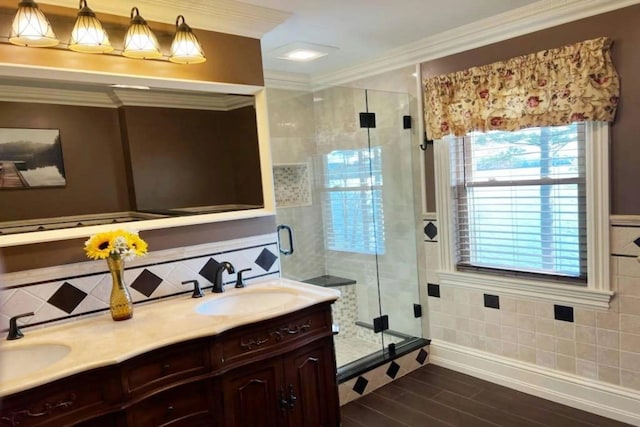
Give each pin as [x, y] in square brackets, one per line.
[290, 235]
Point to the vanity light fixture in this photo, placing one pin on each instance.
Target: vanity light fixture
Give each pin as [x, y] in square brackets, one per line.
[185, 48]
[140, 42]
[87, 35]
[30, 27]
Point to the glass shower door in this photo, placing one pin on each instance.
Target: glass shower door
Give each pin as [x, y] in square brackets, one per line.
[345, 208]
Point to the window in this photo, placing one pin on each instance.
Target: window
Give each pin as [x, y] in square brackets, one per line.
[521, 202]
[352, 201]
[515, 211]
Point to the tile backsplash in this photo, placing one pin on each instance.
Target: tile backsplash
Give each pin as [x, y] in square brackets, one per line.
[66, 292]
[602, 345]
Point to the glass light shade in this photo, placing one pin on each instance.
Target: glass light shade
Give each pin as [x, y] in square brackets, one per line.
[30, 27]
[140, 42]
[185, 48]
[87, 35]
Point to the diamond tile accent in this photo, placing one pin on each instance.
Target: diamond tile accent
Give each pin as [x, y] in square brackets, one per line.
[431, 230]
[422, 356]
[360, 385]
[491, 301]
[562, 312]
[433, 290]
[266, 259]
[637, 241]
[67, 297]
[209, 270]
[393, 370]
[146, 283]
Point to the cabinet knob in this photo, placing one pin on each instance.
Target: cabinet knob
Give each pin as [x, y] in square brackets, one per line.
[170, 409]
[165, 368]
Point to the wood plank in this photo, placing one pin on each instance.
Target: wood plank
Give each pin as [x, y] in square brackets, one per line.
[405, 413]
[480, 410]
[367, 416]
[444, 383]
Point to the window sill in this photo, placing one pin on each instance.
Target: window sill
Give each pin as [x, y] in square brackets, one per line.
[558, 294]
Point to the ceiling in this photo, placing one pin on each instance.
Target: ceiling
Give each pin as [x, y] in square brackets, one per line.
[378, 34]
[363, 29]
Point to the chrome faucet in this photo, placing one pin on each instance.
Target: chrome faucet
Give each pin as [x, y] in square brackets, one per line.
[218, 284]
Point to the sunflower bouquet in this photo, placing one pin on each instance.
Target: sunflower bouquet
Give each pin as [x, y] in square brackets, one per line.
[118, 244]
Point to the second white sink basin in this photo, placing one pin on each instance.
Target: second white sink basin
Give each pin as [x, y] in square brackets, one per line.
[24, 360]
[247, 302]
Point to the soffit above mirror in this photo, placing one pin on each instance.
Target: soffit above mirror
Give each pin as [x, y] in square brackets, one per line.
[112, 97]
[225, 16]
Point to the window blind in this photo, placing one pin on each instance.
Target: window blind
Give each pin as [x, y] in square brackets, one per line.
[521, 202]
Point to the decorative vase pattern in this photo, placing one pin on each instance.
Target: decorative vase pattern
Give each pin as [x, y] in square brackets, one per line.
[120, 303]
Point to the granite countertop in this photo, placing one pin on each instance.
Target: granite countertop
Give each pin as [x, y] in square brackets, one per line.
[98, 341]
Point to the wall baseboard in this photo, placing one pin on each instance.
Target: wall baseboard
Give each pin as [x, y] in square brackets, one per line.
[600, 398]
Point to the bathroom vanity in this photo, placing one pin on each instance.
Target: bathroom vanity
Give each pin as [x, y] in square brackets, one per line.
[223, 360]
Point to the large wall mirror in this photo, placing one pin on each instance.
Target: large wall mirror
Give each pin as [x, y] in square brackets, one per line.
[156, 157]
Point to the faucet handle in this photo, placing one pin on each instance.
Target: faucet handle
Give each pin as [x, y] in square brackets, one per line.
[197, 291]
[240, 280]
[14, 331]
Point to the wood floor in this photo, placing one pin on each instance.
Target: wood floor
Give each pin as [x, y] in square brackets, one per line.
[433, 396]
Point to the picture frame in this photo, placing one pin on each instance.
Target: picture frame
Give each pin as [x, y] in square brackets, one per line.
[31, 158]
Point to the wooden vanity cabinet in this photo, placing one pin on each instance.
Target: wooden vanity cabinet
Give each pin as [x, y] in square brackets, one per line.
[277, 372]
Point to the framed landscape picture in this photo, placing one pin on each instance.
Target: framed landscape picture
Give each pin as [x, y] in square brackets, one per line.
[30, 158]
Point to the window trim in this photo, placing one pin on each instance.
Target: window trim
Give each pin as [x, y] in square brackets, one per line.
[597, 293]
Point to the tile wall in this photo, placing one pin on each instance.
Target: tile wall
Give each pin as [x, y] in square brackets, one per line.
[67, 292]
[602, 345]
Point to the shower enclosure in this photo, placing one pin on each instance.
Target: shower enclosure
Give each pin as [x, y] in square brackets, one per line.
[344, 197]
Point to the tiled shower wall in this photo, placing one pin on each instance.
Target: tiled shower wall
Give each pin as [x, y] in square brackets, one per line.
[601, 345]
[70, 291]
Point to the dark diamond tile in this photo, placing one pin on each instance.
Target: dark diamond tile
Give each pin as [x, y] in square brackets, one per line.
[67, 297]
[266, 259]
[492, 301]
[433, 290]
[209, 270]
[637, 241]
[146, 283]
[393, 370]
[422, 356]
[360, 385]
[431, 230]
[562, 312]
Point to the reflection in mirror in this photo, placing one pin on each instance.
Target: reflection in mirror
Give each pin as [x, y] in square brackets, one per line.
[132, 154]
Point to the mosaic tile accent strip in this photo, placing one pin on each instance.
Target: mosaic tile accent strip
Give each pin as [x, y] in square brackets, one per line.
[380, 376]
[66, 292]
[292, 185]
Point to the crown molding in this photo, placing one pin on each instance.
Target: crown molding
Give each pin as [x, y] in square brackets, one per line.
[524, 20]
[286, 80]
[44, 95]
[145, 98]
[114, 98]
[224, 16]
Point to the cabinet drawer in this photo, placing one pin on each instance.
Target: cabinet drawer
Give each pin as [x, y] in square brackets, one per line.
[187, 405]
[58, 403]
[272, 336]
[148, 372]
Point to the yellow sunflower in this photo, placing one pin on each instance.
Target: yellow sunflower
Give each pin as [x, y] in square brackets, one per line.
[99, 246]
[136, 244]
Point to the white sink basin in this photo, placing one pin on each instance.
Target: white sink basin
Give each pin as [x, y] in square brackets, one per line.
[27, 359]
[247, 302]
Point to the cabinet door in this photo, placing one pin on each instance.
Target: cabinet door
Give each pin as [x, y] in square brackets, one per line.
[311, 387]
[251, 395]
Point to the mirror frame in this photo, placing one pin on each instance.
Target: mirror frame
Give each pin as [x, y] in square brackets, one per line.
[68, 75]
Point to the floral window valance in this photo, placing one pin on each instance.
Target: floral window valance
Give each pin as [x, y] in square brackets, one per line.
[552, 87]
